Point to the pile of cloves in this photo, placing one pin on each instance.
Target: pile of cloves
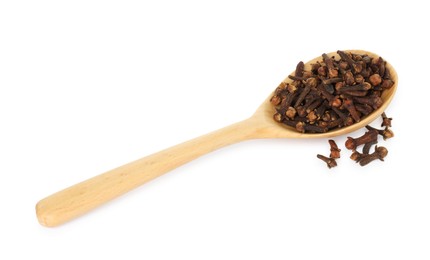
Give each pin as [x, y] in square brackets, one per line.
[368, 139]
[334, 93]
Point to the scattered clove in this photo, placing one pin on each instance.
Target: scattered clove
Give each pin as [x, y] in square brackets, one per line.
[334, 154]
[380, 153]
[331, 162]
[385, 133]
[385, 120]
[369, 136]
[369, 139]
[357, 156]
[334, 150]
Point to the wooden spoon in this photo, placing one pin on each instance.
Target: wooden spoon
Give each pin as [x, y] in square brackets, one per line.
[82, 197]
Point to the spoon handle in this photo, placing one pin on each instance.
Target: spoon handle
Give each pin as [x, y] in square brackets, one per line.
[82, 197]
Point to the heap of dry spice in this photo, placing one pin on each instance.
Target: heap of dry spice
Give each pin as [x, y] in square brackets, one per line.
[368, 139]
[334, 93]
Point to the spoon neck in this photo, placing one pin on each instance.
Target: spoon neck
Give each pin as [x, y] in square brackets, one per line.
[234, 133]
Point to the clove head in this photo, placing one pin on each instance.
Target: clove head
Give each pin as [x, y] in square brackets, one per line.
[381, 152]
[387, 133]
[275, 100]
[357, 156]
[375, 79]
[350, 143]
[386, 121]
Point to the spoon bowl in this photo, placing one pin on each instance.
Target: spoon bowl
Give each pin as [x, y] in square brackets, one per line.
[273, 129]
[80, 198]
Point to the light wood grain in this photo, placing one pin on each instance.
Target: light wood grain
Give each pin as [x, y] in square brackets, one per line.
[82, 197]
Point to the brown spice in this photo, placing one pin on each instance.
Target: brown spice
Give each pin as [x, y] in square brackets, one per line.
[329, 161]
[387, 83]
[375, 79]
[380, 153]
[291, 112]
[369, 136]
[275, 100]
[349, 87]
[385, 120]
[369, 140]
[334, 150]
[357, 156]
[386, 133]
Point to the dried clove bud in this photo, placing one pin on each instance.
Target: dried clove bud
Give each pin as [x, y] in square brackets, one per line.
[385, 120]
[275, 100]
[369, 136]
[358, 87]
[375, 79]
[303, 127]
[355, 66]
[331, 81]
[380, 153]
[322, 71]
[291, 88]
[334, 150]
[329, 161]
[386, 133]
[349, 78]
[299, 69]
[359, 79]
[349, 105]
[312, 117]
[357, 156]
[387, 83]
[310, 83]
[373, 101]
[291, 112]
[277, 117]
[332, 72]
[364, 109]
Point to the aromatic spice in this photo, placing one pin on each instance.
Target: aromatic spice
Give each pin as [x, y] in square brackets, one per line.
[386, 133]
[369, 139]
[357, 156]
[329, 161]
[385, 120]
[334, 150]
[369, 136]
[333, 93]
[380, 153]
[334, 153]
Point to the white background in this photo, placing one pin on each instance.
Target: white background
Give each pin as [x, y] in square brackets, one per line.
[86, 86]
